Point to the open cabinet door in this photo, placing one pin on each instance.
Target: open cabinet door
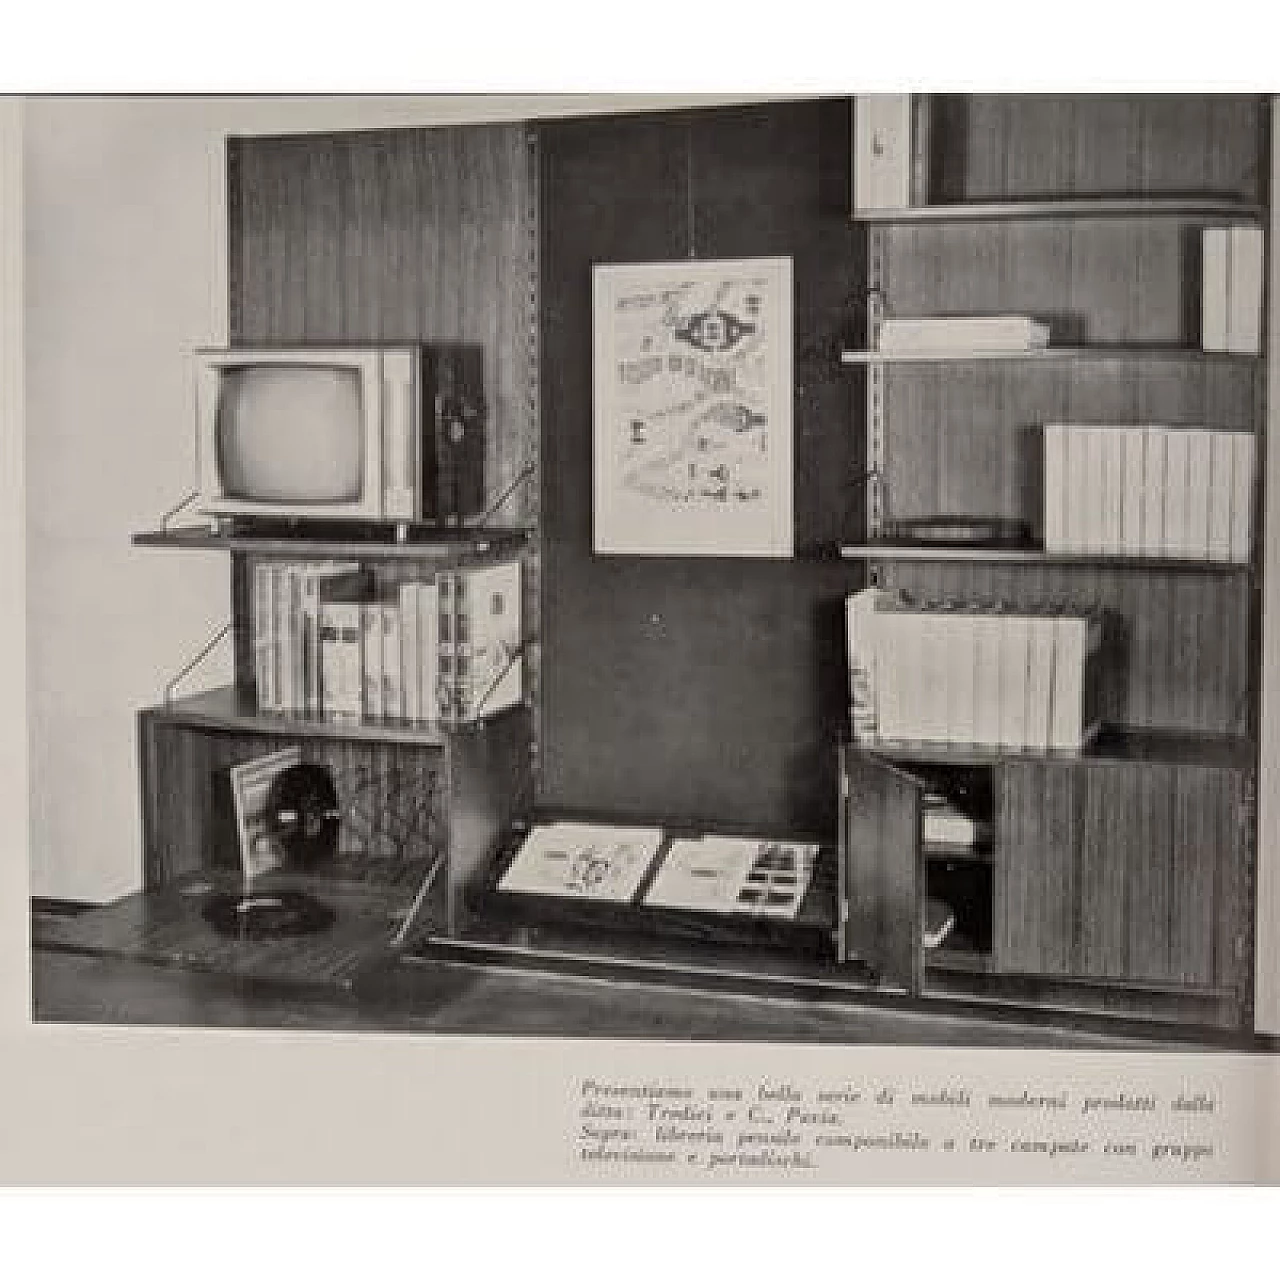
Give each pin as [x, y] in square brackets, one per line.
[880, 878]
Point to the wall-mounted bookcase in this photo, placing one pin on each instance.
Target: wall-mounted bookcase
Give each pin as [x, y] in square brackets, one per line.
[1130, 861]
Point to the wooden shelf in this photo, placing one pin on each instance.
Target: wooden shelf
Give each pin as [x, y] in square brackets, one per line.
[1113, 744]
[1076, 207]
[1100, 352]
[1031, 556]
[436, 544]
[231, 708]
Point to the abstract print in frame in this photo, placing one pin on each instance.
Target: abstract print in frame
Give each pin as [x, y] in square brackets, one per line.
[693, 390]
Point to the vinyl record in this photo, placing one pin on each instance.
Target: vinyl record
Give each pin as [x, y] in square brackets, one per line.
[261, 917]
[302, 815]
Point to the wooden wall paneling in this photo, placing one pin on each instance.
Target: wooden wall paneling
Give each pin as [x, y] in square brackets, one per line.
[395, 235]
[881, 839]
[1040, 146]
[1176, 143]
[1145, 843]
[1203, 838]
[1110, 841]
[1106, 145]
[1037, 899]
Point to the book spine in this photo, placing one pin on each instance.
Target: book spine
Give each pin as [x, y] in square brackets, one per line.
[1215, 254]
[1242, 463]
[961, 675]
[1221, 447]
[371, 659]
[446, 683]
[1244, 291]
[929, 710]
[1155, 455]
[987, 678]
[342, 684]
[392, 674]
[921, 147]
[1055, 488]
[410, 657]
[881, 152]
[1199, 476]
[463, 667]
[1133, 442]
[1068, 682]
[1039, 681]
[890, 630]
[1177, 525]
[281, 588]
[429, 650]
[1075, 523]
[262, 632]
[1015, 661]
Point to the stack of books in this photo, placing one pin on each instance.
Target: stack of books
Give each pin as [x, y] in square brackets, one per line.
[1178, 493]
[328, 642]
[961, 335]
[1231, 290]
[960, 674]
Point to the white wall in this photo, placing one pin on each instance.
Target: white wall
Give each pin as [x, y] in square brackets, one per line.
[124, 270]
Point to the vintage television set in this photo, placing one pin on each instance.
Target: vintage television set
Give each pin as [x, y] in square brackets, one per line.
[379, 433]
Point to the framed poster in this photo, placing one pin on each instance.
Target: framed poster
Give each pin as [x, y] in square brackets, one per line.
[692, 408]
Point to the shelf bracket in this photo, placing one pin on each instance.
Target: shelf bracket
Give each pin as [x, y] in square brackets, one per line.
[875, 382]
[209, 647]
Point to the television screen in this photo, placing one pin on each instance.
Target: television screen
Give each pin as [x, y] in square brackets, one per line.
[291, 434]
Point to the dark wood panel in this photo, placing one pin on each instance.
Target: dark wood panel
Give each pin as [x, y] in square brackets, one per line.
[880, 843]
[708, 690]
[1124, 873]
[1036, 892]
[995, 147]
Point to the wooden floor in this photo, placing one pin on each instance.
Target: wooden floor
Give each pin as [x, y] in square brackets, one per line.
[446, 997]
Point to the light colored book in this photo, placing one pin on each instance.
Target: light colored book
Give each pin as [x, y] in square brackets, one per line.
[1154, 457]
[960, 674]
[1078, 500]
[861, 613]
[1242, 463]
[341, 678]
[882, 152]
[1040, 644]
[1244, 290]
[987, 631]
[1113, 478]
[1221, 463]
[1090, 499]
[392, 671]
[1056, 492]
[1215, 273]
[930, 684]
[945, 335]
[1133, 445]
[488, 638]
[1075, 714]
[410, 659]
[264, 635]
[280, 599]
[893, 631]
[1015, 659]
[1199, 478]
[371, 659]
[314, 574]
[1178, 541]
[428, 596]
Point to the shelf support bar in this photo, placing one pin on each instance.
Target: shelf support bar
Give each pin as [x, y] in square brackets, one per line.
[208, 648]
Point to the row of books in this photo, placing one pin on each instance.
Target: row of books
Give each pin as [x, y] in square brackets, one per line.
[328, 642]
[1022, 679]
[1168, 492]
[953, 335]
[1231, 289]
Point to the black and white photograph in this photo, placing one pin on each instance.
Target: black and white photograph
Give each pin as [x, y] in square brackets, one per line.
[787, 572]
